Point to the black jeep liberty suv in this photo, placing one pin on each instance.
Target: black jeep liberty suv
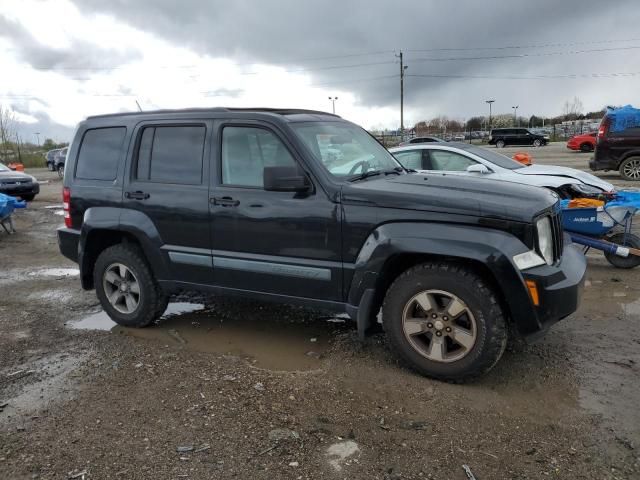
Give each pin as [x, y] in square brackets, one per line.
[304, 207]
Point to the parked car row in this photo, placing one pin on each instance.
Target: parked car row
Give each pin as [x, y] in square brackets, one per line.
[56, 159]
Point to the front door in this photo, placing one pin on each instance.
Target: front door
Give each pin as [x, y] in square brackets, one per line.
[167, 182]
[283, 243]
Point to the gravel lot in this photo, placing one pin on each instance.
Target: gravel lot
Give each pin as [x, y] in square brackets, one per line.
[230, 389]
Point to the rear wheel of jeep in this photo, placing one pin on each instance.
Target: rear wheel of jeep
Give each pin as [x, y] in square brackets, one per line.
[500, 144]
[126, 287]
[537, 142]
[444, 321]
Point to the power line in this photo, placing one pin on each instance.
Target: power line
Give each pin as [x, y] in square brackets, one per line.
[509, 47]
[528, 77]
[211, 93]
[524, 55]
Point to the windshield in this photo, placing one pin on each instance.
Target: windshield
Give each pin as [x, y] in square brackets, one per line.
[495, 158]
[3, 168]
[344, 149]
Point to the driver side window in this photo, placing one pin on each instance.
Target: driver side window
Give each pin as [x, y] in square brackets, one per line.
[449, 161]
[245, 153]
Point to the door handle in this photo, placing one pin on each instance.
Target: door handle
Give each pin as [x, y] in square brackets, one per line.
[224, 201]
[137, 195]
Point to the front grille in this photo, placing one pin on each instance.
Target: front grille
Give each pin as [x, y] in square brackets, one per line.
[558, 235]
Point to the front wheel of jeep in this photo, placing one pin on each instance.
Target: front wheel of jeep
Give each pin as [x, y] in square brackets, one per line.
[127, 288]
[445, 321]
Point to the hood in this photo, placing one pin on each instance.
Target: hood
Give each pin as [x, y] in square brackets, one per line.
[577, 176]
[12, 175]
[453, 194]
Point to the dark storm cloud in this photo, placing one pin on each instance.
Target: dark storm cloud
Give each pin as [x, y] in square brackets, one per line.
[45, 126]
[287, 32]
[77, 59]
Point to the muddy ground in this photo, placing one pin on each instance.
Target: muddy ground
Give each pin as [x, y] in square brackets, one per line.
[231, 389]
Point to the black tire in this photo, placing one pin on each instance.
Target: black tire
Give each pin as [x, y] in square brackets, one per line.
[490, 325]
[60, 170]
[500, 144]
[151, 299]
[50, 167]
[586, 147]
[537, 142]
[632, 241]
[27, 198]
[630, 169]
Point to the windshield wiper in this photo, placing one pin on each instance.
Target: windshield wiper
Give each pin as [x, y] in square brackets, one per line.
[373, 173]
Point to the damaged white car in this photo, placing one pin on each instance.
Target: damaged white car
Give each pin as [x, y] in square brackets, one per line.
[465, 159]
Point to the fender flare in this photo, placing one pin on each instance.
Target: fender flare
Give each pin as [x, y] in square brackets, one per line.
[493, 249]
[130, 222]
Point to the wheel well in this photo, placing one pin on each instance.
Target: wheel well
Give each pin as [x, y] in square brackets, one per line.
[397, 264]
[627, 156]
[96, 242]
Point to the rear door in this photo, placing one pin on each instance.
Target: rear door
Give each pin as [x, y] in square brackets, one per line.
[167, 181]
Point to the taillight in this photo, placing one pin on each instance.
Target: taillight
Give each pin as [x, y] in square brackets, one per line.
[66, 201]
[604, 126]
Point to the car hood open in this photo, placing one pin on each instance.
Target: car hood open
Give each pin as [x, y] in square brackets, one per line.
[453, 194]
[570, 173]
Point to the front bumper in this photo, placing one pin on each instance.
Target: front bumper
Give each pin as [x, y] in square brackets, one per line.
[20, 190]
[559, 289]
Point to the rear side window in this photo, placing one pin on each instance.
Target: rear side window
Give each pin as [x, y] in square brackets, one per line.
[100, 153]
[171, 154]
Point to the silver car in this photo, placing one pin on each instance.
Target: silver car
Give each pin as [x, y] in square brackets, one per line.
[465, 159]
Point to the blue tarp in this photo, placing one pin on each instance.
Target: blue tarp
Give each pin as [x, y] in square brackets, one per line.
[623, 118]
[8, 204]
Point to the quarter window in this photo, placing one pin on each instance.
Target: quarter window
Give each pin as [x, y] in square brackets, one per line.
[171, 154]
[99, 153]
[245, 153]
[411, 159]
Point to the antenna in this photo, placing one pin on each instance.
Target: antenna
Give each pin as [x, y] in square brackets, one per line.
[139, 107]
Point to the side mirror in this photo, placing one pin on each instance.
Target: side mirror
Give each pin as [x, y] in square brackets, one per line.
[478, 168]
[285, 179]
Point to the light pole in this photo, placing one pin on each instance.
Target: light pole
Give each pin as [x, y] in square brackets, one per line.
[515, 115]
[37, 134]
[333, 103]
[489, 102]
[403, 67]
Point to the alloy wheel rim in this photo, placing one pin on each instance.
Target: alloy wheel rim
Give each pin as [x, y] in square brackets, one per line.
[632, 169]
[121, 288]
[439, 326]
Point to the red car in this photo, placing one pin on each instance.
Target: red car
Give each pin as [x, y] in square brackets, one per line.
[584, 143]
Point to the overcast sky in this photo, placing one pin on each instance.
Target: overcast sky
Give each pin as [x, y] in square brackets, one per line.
[63, 60]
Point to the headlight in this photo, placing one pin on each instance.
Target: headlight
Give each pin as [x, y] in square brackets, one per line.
[545, 239]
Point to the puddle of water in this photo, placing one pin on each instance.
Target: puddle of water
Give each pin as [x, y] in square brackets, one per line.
[265, 342]
[55, 272]
[53, 207]
[59, 212]
[101, 321]
[57, 295]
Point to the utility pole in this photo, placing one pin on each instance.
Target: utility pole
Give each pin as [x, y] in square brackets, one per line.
[515, 115]
[37, 134]
[489, 102]
[402, 69]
